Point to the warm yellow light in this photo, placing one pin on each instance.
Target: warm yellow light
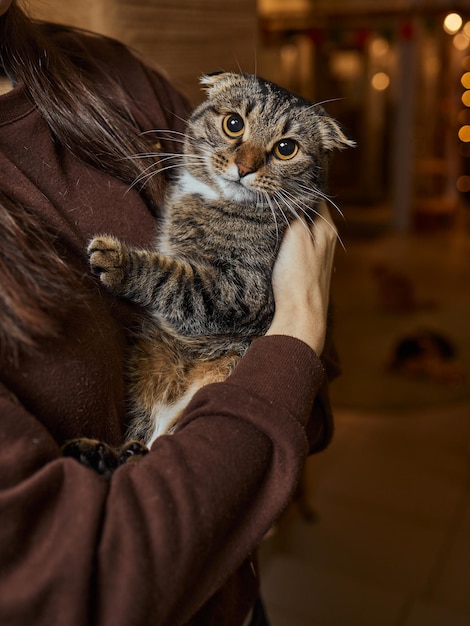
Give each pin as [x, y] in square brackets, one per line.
[465, 80]
[461, 41]
[466, 29]
[379, 47]
[380, 81]
[452, 23]
[464, 134]
[466, 98]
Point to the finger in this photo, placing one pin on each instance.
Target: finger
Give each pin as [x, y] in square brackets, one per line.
[323, 228]
[322, 209]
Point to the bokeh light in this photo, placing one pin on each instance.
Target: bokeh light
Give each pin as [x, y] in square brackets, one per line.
[380, 81]
[465, 80]
[452, 23]
[463, 184]
[379, 47]
[461, 41]
[464, 134]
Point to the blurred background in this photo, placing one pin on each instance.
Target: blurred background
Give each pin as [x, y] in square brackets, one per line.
[380, 531]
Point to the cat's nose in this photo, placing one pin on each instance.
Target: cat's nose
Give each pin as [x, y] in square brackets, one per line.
[243, 169]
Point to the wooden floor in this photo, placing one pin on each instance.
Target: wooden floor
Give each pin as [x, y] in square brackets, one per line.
[391, 542]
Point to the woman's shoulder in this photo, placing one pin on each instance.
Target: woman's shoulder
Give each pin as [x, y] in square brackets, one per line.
[90, 50]
[103, 57]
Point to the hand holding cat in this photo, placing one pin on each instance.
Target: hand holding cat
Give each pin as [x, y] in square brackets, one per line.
[301, 280]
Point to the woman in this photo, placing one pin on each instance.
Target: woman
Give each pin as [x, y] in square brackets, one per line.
[167, 540]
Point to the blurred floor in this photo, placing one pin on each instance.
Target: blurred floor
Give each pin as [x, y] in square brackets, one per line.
[391, 542]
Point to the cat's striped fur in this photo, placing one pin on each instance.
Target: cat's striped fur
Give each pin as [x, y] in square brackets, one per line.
[255, 157]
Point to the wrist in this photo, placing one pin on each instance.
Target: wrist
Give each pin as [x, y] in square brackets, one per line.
[302, 325]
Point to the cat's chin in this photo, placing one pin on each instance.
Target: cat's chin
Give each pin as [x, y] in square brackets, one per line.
[235, 191]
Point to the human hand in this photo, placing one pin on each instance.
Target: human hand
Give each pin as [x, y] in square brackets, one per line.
[301, 280]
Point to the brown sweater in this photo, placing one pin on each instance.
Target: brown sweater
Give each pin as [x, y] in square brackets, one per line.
[167, 540]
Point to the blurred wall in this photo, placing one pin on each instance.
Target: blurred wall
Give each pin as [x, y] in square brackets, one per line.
[186, 38]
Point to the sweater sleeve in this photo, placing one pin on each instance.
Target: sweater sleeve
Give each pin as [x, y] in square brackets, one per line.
[154, 544]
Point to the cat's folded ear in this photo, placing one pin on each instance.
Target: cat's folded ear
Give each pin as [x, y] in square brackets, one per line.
[333, 136]
[209, 81]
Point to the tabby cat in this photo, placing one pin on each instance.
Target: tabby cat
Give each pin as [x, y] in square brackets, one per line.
[255, 157]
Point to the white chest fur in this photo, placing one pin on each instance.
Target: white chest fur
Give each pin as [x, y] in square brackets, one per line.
[187, 184]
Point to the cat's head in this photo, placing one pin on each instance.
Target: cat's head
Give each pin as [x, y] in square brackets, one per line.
[258, 142]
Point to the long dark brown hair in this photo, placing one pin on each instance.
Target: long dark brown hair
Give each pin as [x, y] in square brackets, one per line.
[82, 119]
[31, 300]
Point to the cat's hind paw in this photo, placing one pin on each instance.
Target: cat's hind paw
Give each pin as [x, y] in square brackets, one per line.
[132, 451]
[93, 454]
[107, 260]
[102, 458]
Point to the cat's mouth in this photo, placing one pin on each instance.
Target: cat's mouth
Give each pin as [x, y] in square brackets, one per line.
[236, 189]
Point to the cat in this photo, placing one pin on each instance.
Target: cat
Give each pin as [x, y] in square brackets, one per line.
[255, 157]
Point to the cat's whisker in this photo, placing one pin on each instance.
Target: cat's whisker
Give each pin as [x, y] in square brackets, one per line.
[286, 201]
[322, 102]
[265, 195]
[237, 62]
[161, 157]
[145, 176]
[154, 165]
[156, 156]
[303, 206]
[181, 141]
[157, 163]
[332, 226]
[318, 193]
[164, 132]
[289, 198]
[141, 155]
[168, 136]
[310, 218]
[187, 157]
[280, 209]
[178, 155]
[167, 156]
[178, 117]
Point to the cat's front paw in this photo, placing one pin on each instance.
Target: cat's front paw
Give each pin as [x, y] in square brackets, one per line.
[107, 260]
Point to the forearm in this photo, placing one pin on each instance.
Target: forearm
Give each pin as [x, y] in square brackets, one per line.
[157, 541]
[304, 322]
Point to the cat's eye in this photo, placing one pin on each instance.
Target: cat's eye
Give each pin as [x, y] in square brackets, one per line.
[286, 149]
[233, 125]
